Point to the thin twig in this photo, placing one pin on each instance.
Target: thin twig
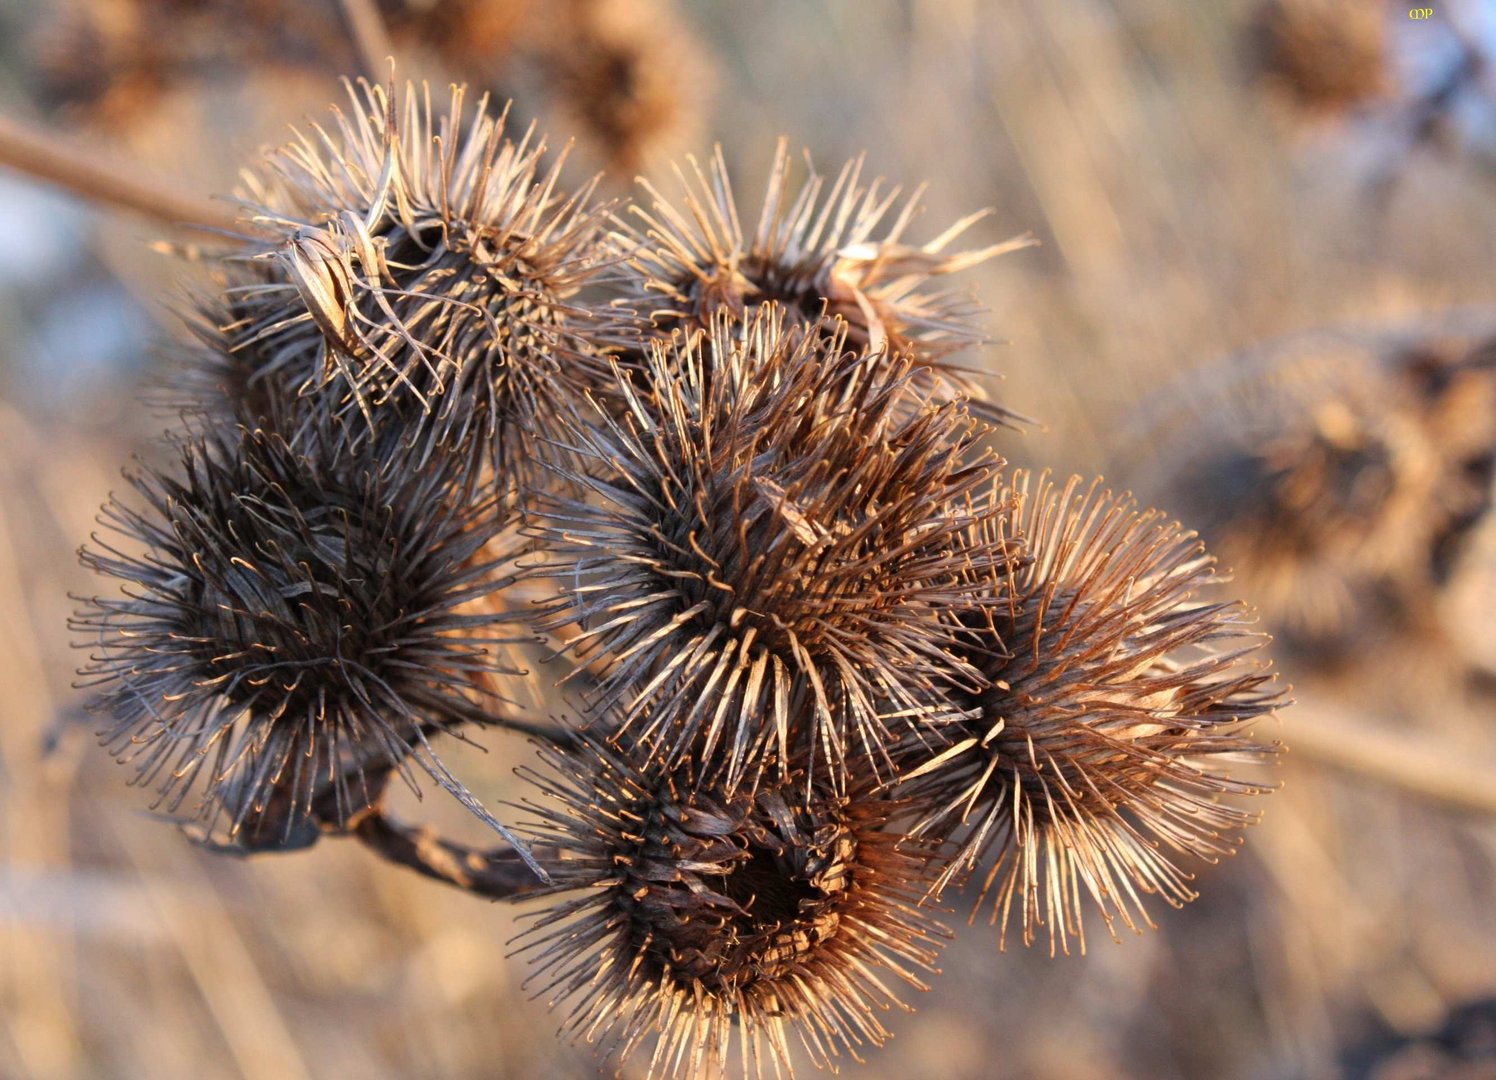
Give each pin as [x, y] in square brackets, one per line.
[498, 873]
[1425, 766]
[371, 40]
[551, 734]
[112, 183]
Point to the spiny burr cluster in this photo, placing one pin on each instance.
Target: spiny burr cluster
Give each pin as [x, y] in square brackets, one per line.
[825, 261]
[837, 659]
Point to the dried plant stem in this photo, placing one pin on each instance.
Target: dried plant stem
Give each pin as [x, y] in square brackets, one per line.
[550, 734]
[371, 39]
[499, 874]
[114, 183]
[1425, 767]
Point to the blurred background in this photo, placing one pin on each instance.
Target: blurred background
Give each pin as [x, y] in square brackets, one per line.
[1263, 299]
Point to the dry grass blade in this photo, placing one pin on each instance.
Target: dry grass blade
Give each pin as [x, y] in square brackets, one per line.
[371, 40]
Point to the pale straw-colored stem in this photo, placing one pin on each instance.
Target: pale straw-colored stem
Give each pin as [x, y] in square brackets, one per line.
[371, 39]
[96, 176]
[1417, 763]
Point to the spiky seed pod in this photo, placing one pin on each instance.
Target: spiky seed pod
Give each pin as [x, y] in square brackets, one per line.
[771, 534]
[1324, 56]
[684, 911]
[1340, 479]
[416, 256]
[1094, 758]
[837, 256]
[297, 626]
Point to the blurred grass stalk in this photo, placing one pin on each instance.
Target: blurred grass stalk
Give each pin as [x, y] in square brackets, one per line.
[88, 174]
[1428, 766]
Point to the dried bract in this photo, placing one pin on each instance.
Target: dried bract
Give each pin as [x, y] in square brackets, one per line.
[296, 627]
[684, 912]
[765, 541]
[1094, 757]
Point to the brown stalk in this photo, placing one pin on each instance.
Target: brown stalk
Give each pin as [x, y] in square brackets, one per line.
[116, 184]
[497, 873]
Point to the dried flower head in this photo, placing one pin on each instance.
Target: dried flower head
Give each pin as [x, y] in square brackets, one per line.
[1092, 760]
[1340, 484]
[770, 535]
[684, 911]
[1324, 56]
[110, 62]
[818, 258]
[476, 39]
[414, 257]
[296, 627]
[627, 76]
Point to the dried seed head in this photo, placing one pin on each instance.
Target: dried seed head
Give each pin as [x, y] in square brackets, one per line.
[416, 257]
[837, 256]
[295, 628]
[110, 62]
[1340, 485]
[473, 38]
[627, 76]
[1324, 56]
[770, 535]
[684, 911]
[1092, 760]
